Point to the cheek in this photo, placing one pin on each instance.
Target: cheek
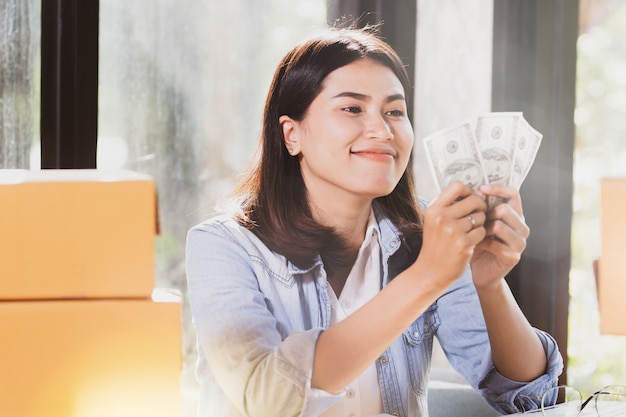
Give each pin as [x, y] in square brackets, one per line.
[405, 142]
[403, 132]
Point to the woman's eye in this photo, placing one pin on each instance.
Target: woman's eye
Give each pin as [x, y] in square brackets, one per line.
[352, 109]
[395, 113]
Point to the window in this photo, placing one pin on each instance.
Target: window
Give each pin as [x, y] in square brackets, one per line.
[181, 91]
[595, 359]
[20, 22]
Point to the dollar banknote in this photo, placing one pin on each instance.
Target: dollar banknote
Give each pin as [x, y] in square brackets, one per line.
[526, 147]
[453, 154]
[496, 134]
[492, 148]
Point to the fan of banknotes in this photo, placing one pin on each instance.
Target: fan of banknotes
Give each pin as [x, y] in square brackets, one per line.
[493, 148]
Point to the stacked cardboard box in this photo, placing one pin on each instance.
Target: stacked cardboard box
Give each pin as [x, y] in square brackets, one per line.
[612, 263]
[85, 333]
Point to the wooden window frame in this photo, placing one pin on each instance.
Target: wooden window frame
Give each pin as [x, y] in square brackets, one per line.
[534, 55]
[69, 83]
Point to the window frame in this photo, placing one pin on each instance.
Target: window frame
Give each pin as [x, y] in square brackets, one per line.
[69, 83]
[534, 56]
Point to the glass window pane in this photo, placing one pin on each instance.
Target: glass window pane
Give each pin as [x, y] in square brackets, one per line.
[595, 359]
[447, 49]
[20, 34]
[182, 85]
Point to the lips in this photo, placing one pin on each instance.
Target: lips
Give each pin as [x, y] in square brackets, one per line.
[376, 153]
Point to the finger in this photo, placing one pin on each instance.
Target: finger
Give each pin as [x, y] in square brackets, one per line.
[466, 204]
[502, 232]
[509, 195]
[473, 220]
[476, 235]
[511, 248]
[507, 215]
[453, 192]
[456, 202]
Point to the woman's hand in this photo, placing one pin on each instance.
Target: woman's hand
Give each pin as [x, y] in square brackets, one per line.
[516, 350]
[506, 234]
[453, 226]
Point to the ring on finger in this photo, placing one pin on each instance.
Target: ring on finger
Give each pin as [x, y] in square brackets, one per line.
[472, 221]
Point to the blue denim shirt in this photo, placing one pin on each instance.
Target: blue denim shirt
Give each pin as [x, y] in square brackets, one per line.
[258, 317]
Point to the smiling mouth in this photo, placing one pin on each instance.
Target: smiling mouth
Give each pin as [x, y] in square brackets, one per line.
[375, 155]
[390, 153]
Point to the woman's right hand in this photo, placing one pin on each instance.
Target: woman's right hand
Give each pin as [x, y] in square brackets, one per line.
[345, 349]
[453, 226]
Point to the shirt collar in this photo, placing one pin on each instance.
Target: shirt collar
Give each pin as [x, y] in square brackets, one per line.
[372, 231]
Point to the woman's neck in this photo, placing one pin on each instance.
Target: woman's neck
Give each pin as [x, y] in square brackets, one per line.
[349, 223]
[351, 226]
[337, 278]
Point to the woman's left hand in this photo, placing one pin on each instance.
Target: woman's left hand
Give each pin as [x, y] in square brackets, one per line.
[505, 241]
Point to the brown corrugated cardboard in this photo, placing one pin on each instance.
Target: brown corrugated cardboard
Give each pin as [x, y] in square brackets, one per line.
[96, 358]
[76, 234]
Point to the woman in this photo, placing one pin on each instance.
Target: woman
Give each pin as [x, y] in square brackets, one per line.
[321, 294]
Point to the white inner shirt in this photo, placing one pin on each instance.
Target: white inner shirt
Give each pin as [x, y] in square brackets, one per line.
[363, 283]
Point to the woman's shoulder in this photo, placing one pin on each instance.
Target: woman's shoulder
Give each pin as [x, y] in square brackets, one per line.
[224, 230]
[223, 224]
[219, 220]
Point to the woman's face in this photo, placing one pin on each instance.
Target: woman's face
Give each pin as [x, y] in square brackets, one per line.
[355, 138]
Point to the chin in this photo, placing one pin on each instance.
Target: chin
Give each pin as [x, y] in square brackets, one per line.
[380, 192]
[375, 187]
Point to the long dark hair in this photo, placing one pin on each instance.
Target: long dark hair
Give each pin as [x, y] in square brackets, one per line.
[273, 195]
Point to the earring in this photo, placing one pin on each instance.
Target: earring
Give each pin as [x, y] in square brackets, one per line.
[293, 140]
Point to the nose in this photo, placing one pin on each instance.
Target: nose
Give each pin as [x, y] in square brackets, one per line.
[378, 128]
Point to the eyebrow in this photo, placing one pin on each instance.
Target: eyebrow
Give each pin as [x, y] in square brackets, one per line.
[365, 97]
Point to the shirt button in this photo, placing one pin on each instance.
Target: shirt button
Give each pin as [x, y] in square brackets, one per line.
[383, 360]
[350, 393]
[346, 304]
[416, 334]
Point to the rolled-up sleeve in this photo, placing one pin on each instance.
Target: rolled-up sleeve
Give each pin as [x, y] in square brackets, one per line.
[260, 371]
[466, 345]
[506, 395]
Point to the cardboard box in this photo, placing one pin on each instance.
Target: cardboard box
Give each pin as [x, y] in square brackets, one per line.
[612, 263]
[76, 233]
[90, 358]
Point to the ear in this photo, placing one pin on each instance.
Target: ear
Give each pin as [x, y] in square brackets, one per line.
[290, 134]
